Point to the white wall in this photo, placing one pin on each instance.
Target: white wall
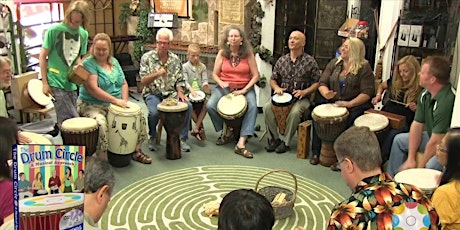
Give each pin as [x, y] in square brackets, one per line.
[268, 32]
[389, 13]
[456, 114]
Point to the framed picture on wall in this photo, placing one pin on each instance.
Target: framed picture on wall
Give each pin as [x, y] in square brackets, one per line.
[180, 7]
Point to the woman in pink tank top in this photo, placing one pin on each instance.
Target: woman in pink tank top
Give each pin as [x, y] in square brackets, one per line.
[235, 71]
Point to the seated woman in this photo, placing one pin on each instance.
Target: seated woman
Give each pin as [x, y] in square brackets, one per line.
[37, 185]
[446, 198]
[196, 78]
[347, 81]
[106, 85]
[402, 91]
[235, 71]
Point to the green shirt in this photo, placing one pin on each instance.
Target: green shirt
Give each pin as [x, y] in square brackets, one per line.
[436, 112]
[109, 81]
[65, 46]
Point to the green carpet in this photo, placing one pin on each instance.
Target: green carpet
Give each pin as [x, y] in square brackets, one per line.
[173, 200]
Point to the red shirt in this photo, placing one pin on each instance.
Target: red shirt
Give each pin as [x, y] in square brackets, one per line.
[7, 201]
[54, 181]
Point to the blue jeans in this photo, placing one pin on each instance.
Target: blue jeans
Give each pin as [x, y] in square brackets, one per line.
[249, 118]
[400, 149]
[152, 101]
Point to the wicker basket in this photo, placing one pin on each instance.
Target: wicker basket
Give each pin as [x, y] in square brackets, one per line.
[281, 210]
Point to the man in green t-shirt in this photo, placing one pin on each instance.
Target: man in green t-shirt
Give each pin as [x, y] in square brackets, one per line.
[63, 46]
[431, 122]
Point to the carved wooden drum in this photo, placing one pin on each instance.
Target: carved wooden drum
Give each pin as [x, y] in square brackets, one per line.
[173, 115]
[83, 131]
[232, 109]
[281, 106]
[377, 123]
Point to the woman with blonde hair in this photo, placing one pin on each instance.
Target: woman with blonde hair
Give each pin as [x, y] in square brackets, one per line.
[347, 81]
[401, 93]
[106, 85]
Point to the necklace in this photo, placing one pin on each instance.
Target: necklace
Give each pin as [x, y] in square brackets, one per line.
[235, 60]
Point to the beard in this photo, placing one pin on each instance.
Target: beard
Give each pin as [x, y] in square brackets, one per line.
[5, 83]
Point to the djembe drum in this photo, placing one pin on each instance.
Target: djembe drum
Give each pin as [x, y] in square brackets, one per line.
[197, 101]
[36, 139]
[34, 91]
[232, 109]
[52, 212]
[377, 123]
[172, 115]
[330, 121]
[83, 131]
[281, 106]
[124, 129]
[423, 178]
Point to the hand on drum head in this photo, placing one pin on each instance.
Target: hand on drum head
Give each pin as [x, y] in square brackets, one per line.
[122, 103]
[279, 90]
[23, 139]
[240, 92]
[345, 104]
[329, 94]
[193, 92]
[181, 97]
[408, 164]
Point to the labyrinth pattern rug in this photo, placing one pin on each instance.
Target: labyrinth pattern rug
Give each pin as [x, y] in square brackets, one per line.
[174, 200]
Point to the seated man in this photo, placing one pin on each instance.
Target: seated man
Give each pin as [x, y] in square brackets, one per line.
[296, 73]
[376, 200]
[161, 77]
[433, 114]
[99, 184]
[244, 209]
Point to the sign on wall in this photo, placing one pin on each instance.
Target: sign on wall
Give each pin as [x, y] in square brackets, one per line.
[172, 6]
[231, 12]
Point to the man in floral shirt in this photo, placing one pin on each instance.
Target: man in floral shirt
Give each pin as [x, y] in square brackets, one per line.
[161, 77]
[377, 201]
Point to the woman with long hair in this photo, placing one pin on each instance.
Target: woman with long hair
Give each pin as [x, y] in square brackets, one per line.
[402, 92]
[37, 184]
[235, 71]
[446, 198]
[347, 81]
[8, 137]
[67, 181]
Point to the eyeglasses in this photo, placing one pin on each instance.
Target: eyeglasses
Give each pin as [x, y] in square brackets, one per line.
[162, 43]
[441, 148]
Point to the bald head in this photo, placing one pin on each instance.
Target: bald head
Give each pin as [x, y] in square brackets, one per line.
[297, 41]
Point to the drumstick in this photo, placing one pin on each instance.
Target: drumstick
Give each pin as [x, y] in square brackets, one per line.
[397, 102]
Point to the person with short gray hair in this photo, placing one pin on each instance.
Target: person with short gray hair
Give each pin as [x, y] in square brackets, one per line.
[376, 197]
[99, 184]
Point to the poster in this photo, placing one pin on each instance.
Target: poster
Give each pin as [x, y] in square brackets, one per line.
[172, 6]
[231, 12]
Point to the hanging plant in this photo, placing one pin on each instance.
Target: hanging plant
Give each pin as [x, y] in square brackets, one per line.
[256, 36]
[144, 33]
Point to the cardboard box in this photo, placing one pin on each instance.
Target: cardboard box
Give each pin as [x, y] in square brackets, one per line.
[404, 35]
[415, 36]
[18, 85]
[347, 26]
[303, 139]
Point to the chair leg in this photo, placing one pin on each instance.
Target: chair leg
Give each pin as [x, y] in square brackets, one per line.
[159, 130]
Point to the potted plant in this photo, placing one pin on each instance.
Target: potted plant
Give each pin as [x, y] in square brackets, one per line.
[129, 16]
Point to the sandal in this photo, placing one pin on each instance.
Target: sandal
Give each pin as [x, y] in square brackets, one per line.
[202, 134]
[243, 152]
[222, 140]
[197, 135]
[141, 157]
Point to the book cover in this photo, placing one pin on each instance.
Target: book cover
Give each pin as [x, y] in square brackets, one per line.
[48, 187]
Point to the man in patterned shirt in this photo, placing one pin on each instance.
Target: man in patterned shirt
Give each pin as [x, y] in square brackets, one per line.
[296, 73]
[161, 77]
[377, 201]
